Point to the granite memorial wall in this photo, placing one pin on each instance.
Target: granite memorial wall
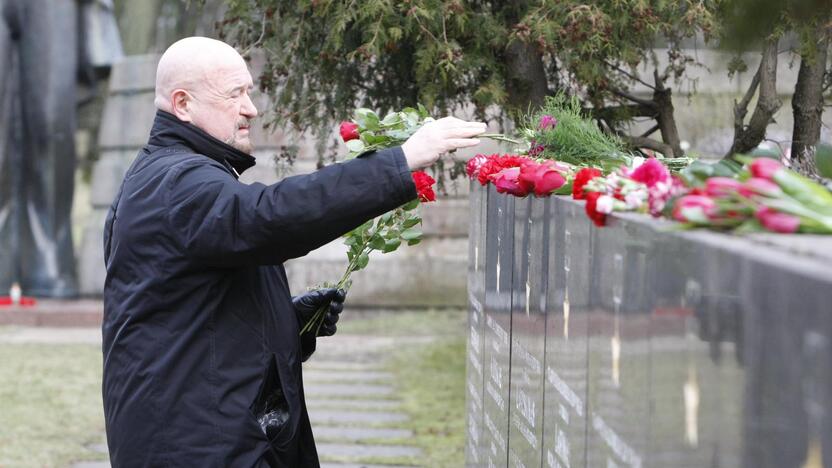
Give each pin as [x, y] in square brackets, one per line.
[637, 345]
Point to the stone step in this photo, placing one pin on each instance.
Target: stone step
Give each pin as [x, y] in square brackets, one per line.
[355, 417]
[343, 404]
[358, 433]
[346, 376]
[366, 451]
[349, 390]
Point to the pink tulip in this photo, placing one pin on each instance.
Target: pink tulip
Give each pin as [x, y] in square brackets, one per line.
[760, 186]
[776, 221]
[694, 203]
[719, 187]
[765, 168]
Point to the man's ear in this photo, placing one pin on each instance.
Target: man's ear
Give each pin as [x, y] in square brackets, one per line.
[181, 102]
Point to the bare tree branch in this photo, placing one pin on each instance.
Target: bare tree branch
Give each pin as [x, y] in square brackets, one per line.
[651, 131]
[630, 97]
[628, 74]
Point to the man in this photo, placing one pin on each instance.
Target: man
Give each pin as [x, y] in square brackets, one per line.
[202, 354]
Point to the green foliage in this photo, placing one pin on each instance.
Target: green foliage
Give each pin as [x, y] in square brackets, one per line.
[385, 234]
[393, 130]
[323, 58]
[698, 172]
[575, 139]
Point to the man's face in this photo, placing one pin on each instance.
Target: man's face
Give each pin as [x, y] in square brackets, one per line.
[222, 105]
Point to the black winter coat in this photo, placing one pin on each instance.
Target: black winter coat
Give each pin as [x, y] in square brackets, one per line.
[199, 332]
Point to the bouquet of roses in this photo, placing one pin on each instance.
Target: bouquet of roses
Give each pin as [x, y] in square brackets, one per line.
[766, 196]
[520, 175]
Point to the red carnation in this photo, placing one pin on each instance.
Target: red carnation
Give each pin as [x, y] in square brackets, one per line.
[349, 131]
[424, 186]
[581, 179]
[472, 168]
[650, 173]
[592, 208]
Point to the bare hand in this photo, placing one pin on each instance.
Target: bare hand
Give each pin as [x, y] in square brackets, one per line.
[435, 138]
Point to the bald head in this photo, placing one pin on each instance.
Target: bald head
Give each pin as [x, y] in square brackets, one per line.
[207, 83]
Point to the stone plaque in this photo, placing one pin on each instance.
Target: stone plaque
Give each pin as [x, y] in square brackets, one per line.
[476, 319]
[497, 327]
[567, 308]
[528, 325]
[619, 360]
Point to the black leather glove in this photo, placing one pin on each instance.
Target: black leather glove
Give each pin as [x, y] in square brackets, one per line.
[307, 304]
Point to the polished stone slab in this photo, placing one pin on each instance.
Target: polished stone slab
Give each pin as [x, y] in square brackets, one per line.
[497, 329]
[528, 333]
[639, 346]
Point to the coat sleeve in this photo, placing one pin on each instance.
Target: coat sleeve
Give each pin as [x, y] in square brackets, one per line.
[220, 221]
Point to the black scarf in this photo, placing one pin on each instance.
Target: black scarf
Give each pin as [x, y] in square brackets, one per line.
[169, 131]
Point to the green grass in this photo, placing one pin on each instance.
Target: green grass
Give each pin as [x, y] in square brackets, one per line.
[431, 322]
[51, 404]
[431, 381]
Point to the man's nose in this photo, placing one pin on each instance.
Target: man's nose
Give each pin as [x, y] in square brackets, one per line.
[249, 110]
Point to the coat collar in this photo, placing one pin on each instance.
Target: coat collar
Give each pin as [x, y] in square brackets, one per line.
[169, 131]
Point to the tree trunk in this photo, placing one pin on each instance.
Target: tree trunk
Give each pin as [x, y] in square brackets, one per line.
[526, 82]
[807, 105]
[746, 138]
[662, 97]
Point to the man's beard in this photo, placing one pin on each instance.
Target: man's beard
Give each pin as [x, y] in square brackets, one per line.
[244, 146]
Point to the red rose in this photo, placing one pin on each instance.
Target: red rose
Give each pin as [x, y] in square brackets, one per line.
[528, 174]
[581, 179]
[508, 181]
[543, 178]
[349, 131]
[650, 173]
[424, 186]
[592, 208]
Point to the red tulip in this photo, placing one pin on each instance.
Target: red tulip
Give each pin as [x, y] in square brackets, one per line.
[760, 186]
[720, 187]
[694, 208]
[765, 168]
[776, 221]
